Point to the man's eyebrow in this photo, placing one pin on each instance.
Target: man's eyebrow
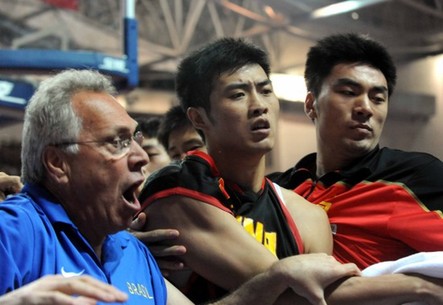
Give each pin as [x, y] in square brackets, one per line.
[116, 131]
[264, 83]
[346, 81]
[245, 86]
[350, 82]
[193, 141]
[381, 89]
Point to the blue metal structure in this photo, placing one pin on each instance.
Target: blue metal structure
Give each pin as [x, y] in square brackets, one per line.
[123, 69]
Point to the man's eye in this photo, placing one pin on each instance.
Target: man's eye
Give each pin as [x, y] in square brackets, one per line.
[196, 146]
[236, 95]
[176, 157]
[119, 143]
[379, 100]
[152, 154]
[115, 143]
[267, 91]
[347, 92]
[125, 143]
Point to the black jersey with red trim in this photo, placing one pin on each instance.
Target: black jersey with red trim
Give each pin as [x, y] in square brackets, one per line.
[263, 215]
[385, 206]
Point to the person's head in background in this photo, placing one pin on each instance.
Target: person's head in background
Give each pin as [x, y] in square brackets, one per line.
[360, 49]
[82, 146]
[349, 78]
[158, 157]
[178, 135]
[226, 91]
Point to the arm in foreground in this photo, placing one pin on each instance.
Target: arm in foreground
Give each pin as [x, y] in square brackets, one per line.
[208, 232]
[214, 231]
[267, 287]
[386, 290]
[56, 290]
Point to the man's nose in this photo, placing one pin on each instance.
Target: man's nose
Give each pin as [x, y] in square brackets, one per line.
[138, 155]
[363, 106]
[258, 105]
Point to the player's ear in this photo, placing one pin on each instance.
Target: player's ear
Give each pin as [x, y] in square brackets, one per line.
[310, 106]
[56, 165]
[198, 117]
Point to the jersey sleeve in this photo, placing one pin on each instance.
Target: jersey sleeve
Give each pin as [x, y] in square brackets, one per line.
[193, 177]
[420, 225]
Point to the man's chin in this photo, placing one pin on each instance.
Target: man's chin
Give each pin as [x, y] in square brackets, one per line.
[362, 148]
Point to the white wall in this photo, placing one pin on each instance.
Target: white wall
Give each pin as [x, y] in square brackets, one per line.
[421, 76]
[296, 138]
[296, 133]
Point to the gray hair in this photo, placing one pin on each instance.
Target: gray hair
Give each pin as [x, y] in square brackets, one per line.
[50, 119]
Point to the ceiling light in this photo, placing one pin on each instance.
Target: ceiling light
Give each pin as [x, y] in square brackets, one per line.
[342, 7]
[289, 87]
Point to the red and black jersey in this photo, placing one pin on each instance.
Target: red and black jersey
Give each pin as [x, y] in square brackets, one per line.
[384, 206]
[262, 214]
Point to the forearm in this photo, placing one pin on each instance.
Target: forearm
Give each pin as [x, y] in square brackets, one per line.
[265, 289]
[387, 289]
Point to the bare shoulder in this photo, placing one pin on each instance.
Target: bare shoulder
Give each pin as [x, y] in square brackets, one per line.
[300, 204]
[311, 221]
[179, 212]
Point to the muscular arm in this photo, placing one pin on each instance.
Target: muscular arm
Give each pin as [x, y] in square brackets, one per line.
[219, 249]
[311, 221]
[386, 290]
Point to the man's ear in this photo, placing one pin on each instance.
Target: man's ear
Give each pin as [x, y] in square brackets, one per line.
[310, 107]
[198, 117]
[56, 164]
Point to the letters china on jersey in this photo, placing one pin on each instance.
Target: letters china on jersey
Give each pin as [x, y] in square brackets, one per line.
[263, 215]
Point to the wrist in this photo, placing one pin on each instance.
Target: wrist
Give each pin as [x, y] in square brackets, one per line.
[425, 288]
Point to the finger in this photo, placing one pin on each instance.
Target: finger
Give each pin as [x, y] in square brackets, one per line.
[2, 196]
[139, 222]
[57, 298]
[10, 182]
[156, 235]
[322, 301]
[17, 187]
[315, 297]
[169, 266]
[90, 287]
[351, 269]
[163, 251]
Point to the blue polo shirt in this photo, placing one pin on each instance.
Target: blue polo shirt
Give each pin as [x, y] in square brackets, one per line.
[38, 238]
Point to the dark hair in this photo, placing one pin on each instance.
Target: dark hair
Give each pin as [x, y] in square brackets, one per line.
[149, 126]
[347, 48]
[173, 119]
[198, 71]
